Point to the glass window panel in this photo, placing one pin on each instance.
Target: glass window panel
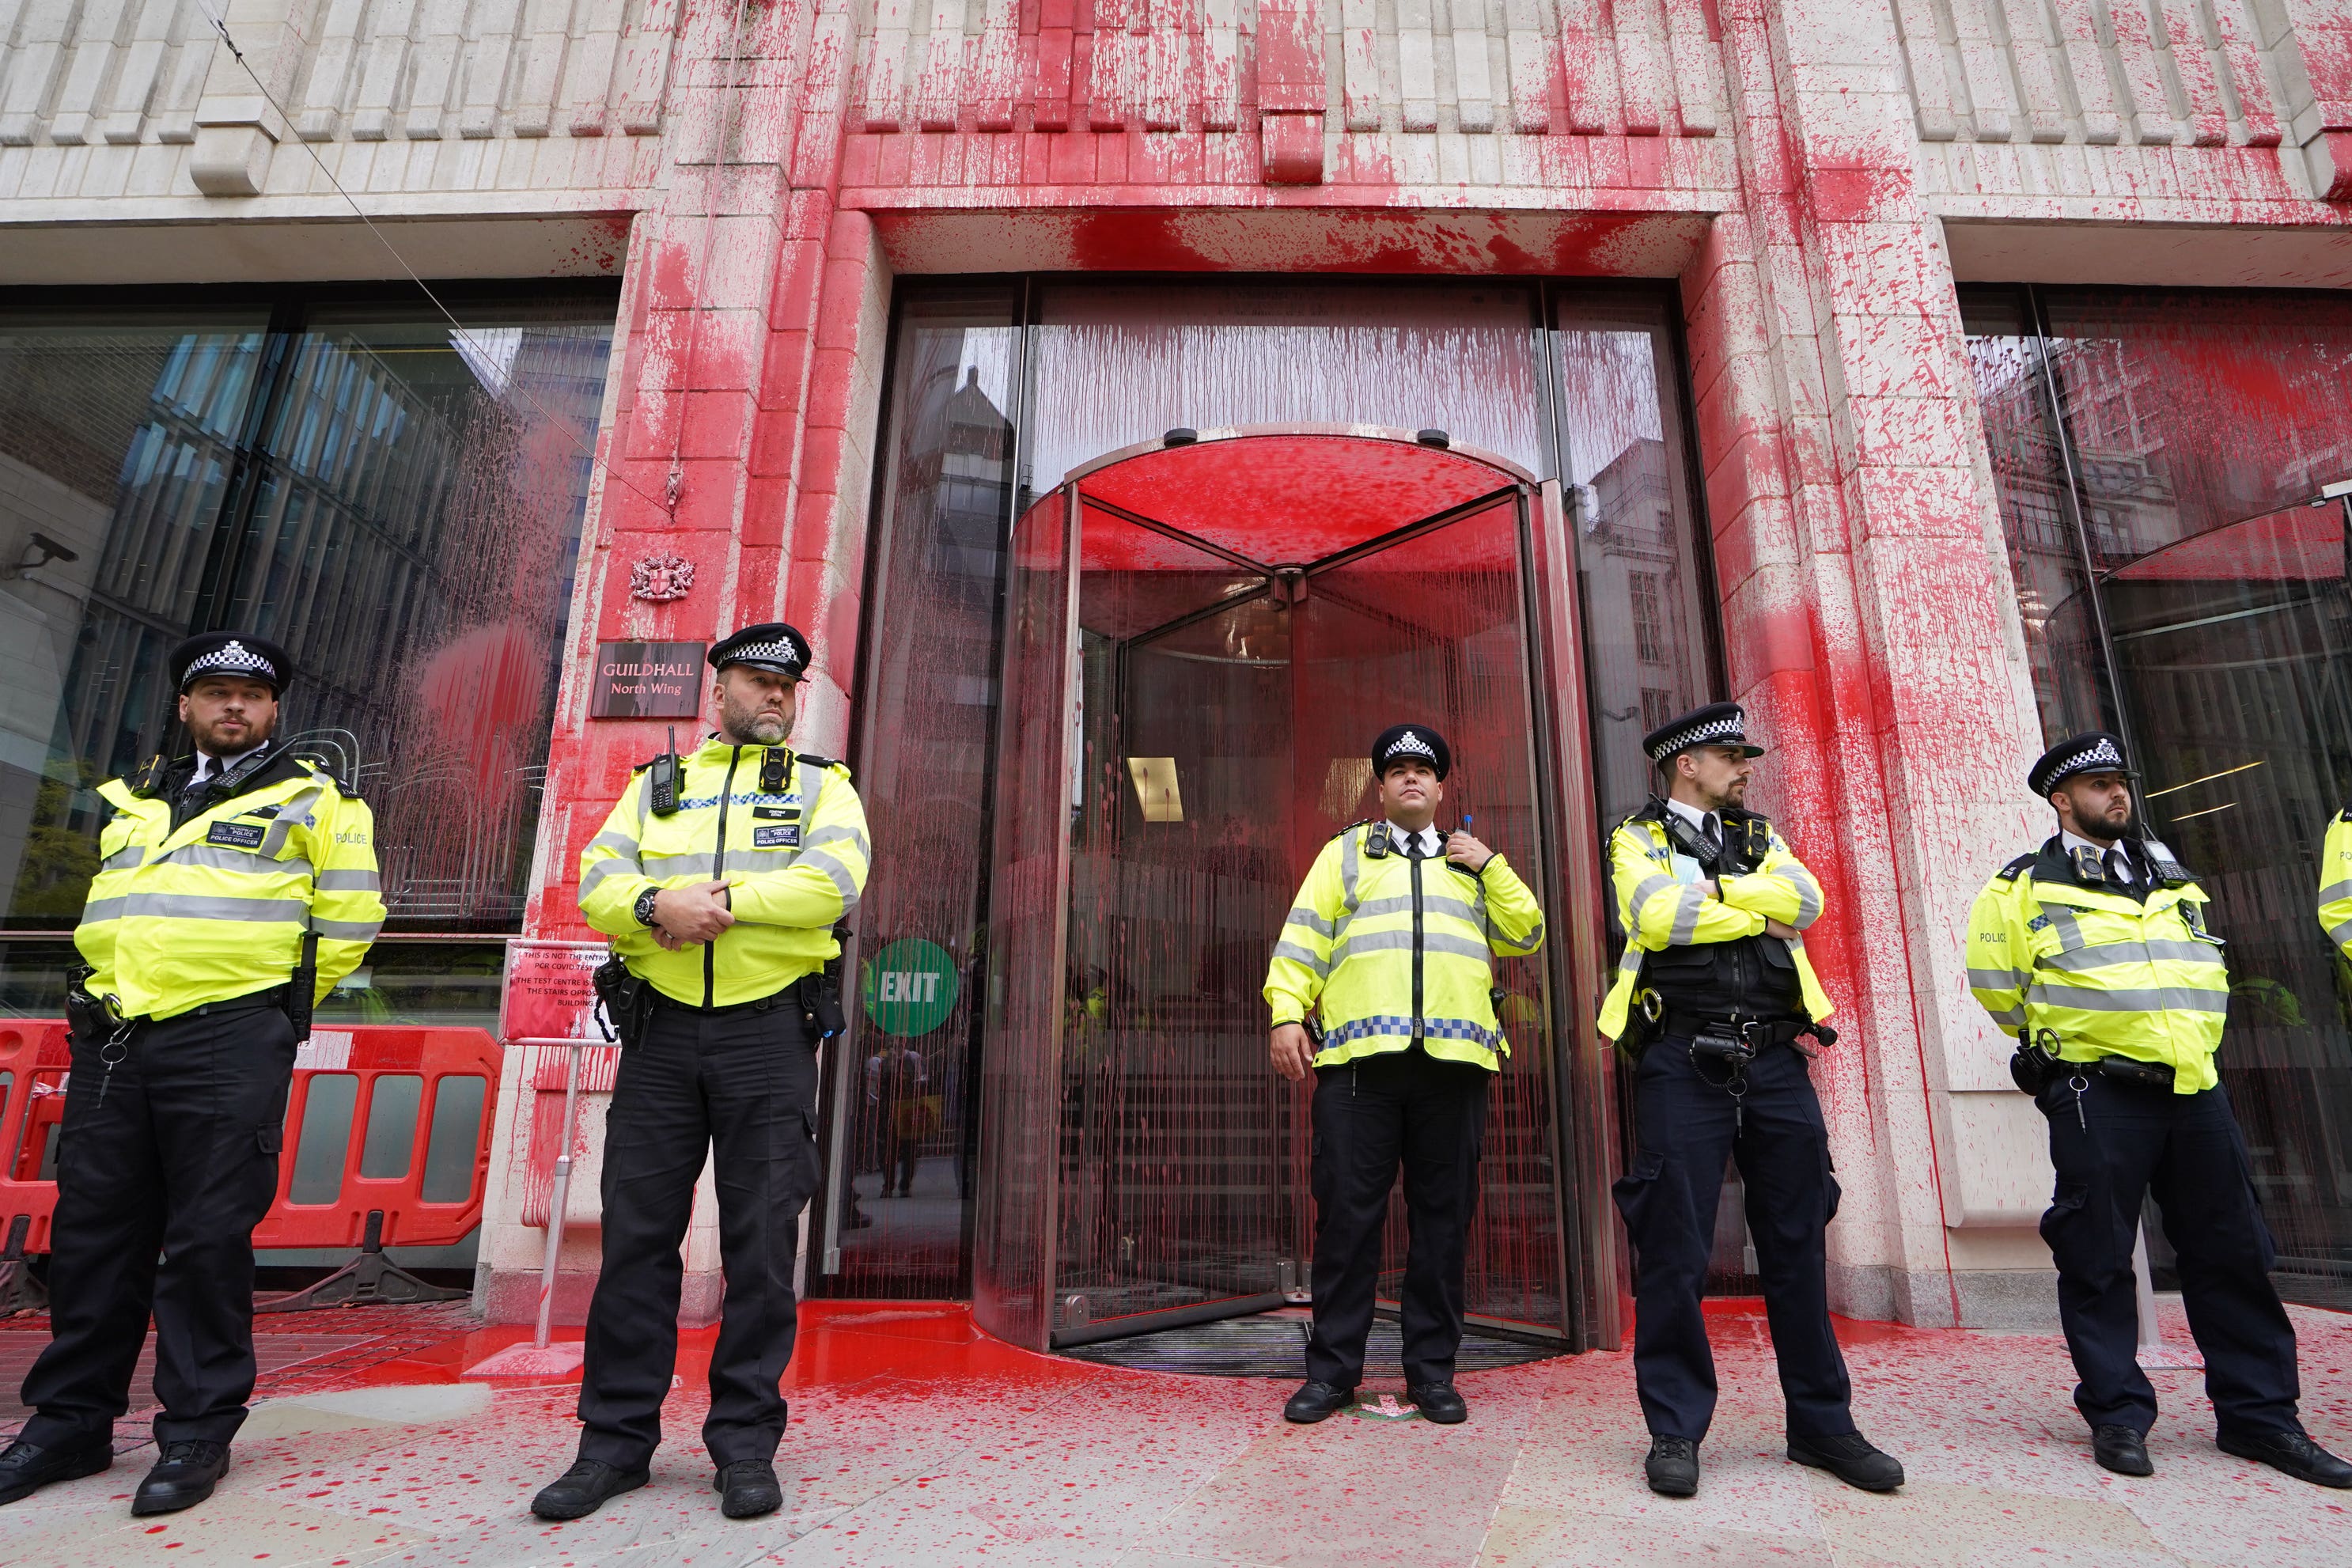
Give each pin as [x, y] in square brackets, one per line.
[391, 1125]
[1122, 362]
[410, 981]
[1646, 617]
[926, 729]
[118, 435]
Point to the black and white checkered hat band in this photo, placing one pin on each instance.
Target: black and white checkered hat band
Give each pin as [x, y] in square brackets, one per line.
[777, 652]
[234, 658]
[1410, 745]
[1728, 730]
[2091, 759]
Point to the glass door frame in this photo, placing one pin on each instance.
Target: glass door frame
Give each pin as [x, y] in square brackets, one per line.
[1571, 886]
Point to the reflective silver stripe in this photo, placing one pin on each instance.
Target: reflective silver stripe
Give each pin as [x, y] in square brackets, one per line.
[349, 882]
[838, 874]
[2014, 1018]
[660, 866]
[623, 846]
[1348, 869]
[762, 862]
[192, 907]
[2341, 934]
[1378, 941]
[1430, 903]
[1686, 914]
[594, 876]
[1996, 980]
[1809, 892]
[1630, 962]
[124, 858]
[2159, 999]
[838, 834]
[2328, 895]
[1643, 891]
[290, 816]
[347, 930]
[2066, 922]
[2105, 954]
[1298, 954]
[1527, 943]
[1439, 942]
[645, 799]
[220, 857]
[1300, 915]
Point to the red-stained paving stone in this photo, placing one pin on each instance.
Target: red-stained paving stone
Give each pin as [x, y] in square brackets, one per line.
[916, 1440]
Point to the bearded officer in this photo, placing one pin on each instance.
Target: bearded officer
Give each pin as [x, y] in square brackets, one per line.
[2093, 950]
[1714, 991]
[719, 878]
[236, 886]
[1389, 947]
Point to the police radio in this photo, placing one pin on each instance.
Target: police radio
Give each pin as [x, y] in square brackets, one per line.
[661, 779]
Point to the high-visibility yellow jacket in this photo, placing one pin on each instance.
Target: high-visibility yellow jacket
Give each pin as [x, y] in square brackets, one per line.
[1388, 947]
[1656, 911]
[2335, 883]
[2108, 974]
[786, 831]
[216, 907]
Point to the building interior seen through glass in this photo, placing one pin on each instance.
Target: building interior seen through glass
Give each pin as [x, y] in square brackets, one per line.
[996, 391]
[2158, 456]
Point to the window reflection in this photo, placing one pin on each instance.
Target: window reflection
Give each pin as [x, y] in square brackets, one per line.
[2199, 424]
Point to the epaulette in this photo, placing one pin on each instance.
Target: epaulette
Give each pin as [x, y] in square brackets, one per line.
[815, 761]
[343, 786]
[2016, 868]
[1741, 814]
[1359, 822]
[2347, 814]
[148, 782]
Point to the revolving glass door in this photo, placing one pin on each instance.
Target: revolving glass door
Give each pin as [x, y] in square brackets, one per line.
[1201, 643]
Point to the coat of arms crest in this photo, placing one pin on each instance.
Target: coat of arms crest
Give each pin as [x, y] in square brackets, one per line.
[661, 577]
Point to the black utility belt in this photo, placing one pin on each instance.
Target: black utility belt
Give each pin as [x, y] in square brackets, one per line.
[1757, 1033]
[2125, 1070]
[788, 996]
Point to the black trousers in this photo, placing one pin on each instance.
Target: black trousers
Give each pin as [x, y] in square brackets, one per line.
[2187, 1149]
[1370, 1115]
[742, 1087]
[1687, 1128]
[159, 1188]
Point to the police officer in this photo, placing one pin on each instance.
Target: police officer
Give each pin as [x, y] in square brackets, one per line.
[2336, 899]
[1388, 947]
[236, 886]
[719, 878]
[1716, 993]
[2093, 949]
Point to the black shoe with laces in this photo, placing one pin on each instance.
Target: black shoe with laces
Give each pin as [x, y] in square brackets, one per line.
[1672, 1467]
[1851, 1459]
[183, 1478]
[1314, 1401]
[583, 1489]
[2122, 1450]
[27, 1468]
[2290, 1453]
[748, 1488]
[1438, 1402]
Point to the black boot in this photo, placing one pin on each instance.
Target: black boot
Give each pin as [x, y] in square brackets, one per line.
[183, 1478]
[583, 1489]
[2122, 1450]
[748, 1488]
[1850, 1458]
[1672, 1468]
[1314, 1401]
[2292, 1453]
[27, 1468]
[1438, 1402]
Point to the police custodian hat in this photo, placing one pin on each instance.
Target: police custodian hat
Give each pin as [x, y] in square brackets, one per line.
[1406, 743]
[231, 653]
[769, 644]
[2092, 751]
[1716, 724]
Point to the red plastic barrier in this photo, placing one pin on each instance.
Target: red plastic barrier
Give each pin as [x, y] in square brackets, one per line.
[380, 1061]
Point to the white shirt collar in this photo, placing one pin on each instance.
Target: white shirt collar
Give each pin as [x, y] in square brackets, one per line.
[2071, 841]
[1430, 839]
[1689, 812]
[210, 766]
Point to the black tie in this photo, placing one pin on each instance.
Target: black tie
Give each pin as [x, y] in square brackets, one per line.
[1412, 847]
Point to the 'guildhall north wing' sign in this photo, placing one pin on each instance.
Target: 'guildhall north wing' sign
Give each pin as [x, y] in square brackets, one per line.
[648, 680]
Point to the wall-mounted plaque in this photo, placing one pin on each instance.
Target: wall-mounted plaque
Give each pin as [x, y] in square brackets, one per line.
[649, 680]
